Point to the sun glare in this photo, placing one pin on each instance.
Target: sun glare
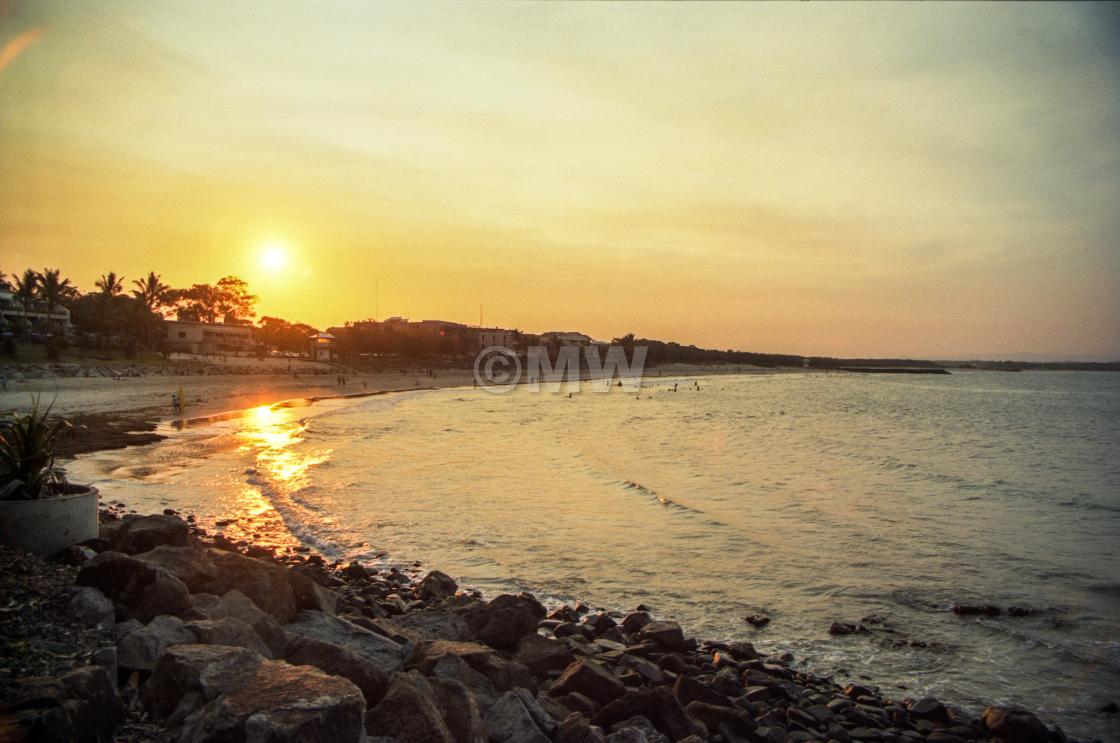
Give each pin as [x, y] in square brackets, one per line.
[274, 257]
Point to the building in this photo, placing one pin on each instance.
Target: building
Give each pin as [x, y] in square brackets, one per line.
[12, 315]
[324, 347]
[497, 337]
[211, 339]
[565, 338]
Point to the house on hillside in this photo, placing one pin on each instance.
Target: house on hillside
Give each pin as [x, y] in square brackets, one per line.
[565, 338]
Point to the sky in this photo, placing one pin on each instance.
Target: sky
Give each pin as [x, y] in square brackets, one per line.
[922, 180]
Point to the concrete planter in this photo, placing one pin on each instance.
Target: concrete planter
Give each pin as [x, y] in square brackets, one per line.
[48, 525]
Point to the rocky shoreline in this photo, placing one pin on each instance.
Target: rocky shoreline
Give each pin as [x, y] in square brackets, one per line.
[157, 631]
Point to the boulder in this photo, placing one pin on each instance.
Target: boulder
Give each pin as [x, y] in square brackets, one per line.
[847, 628]
[309, 594]
[475, 654]
[966, 610]
[192, 565]
[512, 719]
[339, 661]
[381, 651]
[433, 624]
[688, 690]
[506, 619]
[455, 668]
[591, 679]
[409, 713]
[1014, 725]
[142, 533]
[140, 650]
[634, 621]
[459, 709]
[928, 708]
[239, 606]
[266, 584]
[541, 655]
[715, 717]
[742, 650]
[666, 634]
[576, 729]
[90, 607]
[140, 590]
[216, 693]
[229, 631]
[81, 705]
[635, 702]
[436, 586]
[638, 725]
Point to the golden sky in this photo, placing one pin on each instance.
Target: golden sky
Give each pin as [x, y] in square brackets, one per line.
[881, 179]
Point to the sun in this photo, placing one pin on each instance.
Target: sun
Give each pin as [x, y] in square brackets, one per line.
[274, 257]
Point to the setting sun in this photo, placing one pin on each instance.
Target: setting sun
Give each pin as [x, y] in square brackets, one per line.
[274, 257]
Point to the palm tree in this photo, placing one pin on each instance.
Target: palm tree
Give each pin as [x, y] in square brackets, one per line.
[110, 284]
[151, 291]
[27, 288]
[54, 289]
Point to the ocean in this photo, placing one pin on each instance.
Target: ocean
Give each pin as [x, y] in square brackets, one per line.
[806, 497]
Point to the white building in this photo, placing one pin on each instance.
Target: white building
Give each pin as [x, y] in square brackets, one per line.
[566, 338]
[186, 336]
[12, 315]
[322, 347]
[496, 337]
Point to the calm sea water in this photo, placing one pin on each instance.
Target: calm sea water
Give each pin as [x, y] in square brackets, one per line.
[806, 497]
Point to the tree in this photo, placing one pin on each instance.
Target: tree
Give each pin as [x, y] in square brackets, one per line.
[151, 291]
[110, 284]
[235, 303]
[27, 288]
[54, 289]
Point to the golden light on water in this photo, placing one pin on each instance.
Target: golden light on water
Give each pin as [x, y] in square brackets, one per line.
[274, 433]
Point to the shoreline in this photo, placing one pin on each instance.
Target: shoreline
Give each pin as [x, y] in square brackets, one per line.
[400, 640]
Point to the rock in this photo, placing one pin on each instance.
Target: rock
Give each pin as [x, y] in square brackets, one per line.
[576, 729]
[649, 671]
[640, 725]
[506, 619]
[475, 654]
[90, 607]
[140, 534]
[672, 718]
[1111, 708]
[541, 655]
[742, 650]
[970, 610]
[456, 669]
[714, 717]
[192, 565]
[1014, 725]
[634, 621]
[847, 628]
[217, 693]
[409, 713]
[757, 620]
[381, 651]
[666, 634]
[635, 702]
[688, 690]
[591, 679]
[107, 659]
[140, 650]
[142, 591]
[339, 661]
[928, 708]
[239, 606]
[512, 719]
[310, 595]
[231, 632]
[81, 705]
[1020, 611]
[266, 584]
[459, 709]
[436, 586]
[433, 624]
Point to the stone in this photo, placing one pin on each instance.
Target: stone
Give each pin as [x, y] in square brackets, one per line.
[308, 594]
[475, 654]
[512, 719]
[140, 590]
[591, 679]
[505, 620]
[714, 717]
[239, 606]
[541, 655]
[301, 650]
[140, 650]
[381, 651]
[635, 702]
[433, 624]
[455, 668]
[81, 705]
[267, 585]
[229, 631]
[634, 621]
[107, 659]
[688, 690]
[460, 711]
[965, 610]
[192, 565]
[218, 693]
[144, 533]
[409, 713]
[90, 607]
[576, 729]
[436, 586]
[757, 620]
[1014, 725]
[672, 718]
[742, 650]
[928, 708]
[641, 725]
[847, 628]
[666, 634]
[649, 671]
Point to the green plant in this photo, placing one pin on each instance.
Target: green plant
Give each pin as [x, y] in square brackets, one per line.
[27, 447]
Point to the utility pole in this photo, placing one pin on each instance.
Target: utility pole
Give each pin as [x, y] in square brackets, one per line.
[480, 316]
[376, 298]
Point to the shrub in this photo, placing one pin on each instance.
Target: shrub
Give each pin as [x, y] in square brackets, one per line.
[27, 447]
